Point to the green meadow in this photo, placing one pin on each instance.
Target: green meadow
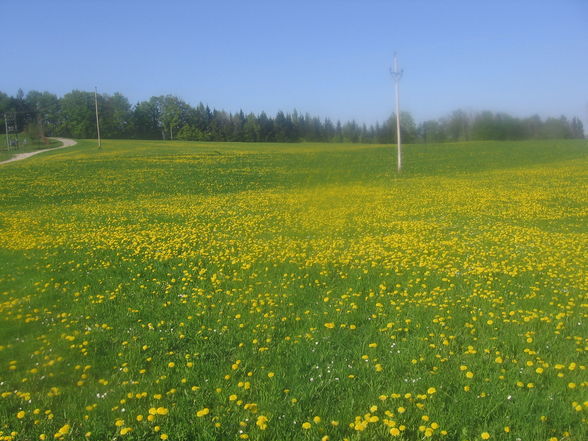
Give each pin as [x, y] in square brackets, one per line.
[227, 291]
[25, 146]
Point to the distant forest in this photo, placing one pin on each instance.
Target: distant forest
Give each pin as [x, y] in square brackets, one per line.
[40, 114]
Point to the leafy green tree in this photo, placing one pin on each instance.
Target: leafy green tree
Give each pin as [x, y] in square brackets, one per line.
[431, 131]
[173, 114]
[408, 128]
[47, 111]
[146, 120]
[577, 128]
[190, 133]
[78, 119]
[458, 126]
[386, 134]
[556, 128]
[5, 102]
[532, 127]
[115, 116]
[169, 117]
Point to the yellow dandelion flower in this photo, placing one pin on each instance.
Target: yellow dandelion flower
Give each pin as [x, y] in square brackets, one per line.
[262, 422]
[64, 430]
[203, 412]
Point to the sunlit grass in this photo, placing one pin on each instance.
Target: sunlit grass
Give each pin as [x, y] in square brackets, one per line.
[25, 146]
[206, 291]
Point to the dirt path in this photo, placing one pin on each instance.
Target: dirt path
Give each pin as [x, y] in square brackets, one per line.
[65, 141]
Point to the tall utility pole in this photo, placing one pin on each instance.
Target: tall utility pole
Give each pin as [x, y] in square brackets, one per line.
[397, 74]
[97, 122]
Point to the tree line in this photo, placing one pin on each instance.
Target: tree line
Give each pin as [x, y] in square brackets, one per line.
[168, 117]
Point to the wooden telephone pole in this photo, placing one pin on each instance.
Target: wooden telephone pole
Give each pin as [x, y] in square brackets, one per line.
[97, 121]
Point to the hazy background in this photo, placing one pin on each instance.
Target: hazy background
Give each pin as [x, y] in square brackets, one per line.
[328, 58]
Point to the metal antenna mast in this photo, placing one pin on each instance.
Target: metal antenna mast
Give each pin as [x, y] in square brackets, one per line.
[397, 74]
[97, 122]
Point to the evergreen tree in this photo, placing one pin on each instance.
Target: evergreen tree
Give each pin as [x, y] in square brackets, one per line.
[169, 117]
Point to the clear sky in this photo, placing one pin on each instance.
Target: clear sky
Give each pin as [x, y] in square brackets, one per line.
[326, 57]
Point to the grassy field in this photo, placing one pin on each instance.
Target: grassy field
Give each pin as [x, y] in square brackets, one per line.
[189, 291]
[31, 146]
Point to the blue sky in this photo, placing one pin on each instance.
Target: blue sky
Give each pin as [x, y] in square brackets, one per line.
[328, 58]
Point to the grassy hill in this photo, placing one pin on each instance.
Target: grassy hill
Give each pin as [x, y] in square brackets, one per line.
[294, 291]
